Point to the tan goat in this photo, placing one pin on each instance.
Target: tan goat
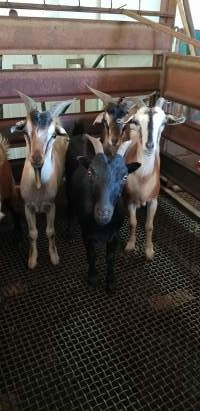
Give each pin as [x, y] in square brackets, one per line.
[46, 143]
[143, 186]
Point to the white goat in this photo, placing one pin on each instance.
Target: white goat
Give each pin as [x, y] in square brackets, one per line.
[46, 143]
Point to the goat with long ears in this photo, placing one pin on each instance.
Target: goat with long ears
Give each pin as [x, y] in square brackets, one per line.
[142, 187]
[46, 144]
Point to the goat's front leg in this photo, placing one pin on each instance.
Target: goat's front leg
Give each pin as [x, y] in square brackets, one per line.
[30, 214]
[151, 210]
[130, 246]
[50, 210]
[110, 259]
[91, 260]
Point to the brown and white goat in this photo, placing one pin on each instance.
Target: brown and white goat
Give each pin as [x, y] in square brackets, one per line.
[8, 192]
[46, 143]
[114, 110]
[143, 186]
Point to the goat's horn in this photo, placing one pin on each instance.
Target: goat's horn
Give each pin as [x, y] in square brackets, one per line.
[60, 108]
[160, 101]
[139, 102]
[30, 104]
[106, 98]
[98, 147]
[123, 148]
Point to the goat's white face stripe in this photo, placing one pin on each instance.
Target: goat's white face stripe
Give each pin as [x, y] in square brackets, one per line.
[41, 136]
[143, 116]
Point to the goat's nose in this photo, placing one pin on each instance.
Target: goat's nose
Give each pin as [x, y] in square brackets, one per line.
[150, 145]
[36, 158]
[103, 215]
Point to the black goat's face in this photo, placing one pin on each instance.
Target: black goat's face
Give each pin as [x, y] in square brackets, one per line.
[107, 178]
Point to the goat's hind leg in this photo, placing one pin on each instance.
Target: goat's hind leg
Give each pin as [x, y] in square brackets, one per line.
[151, 210]
[50, 210]
[33, 234]
[130, 246]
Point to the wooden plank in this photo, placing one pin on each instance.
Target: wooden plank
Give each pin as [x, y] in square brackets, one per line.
[184, 177]
[185, 135]
[25, 35]
[61, 84]
[180, 79]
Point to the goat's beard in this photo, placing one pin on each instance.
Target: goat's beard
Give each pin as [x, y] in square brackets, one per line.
[38, 177]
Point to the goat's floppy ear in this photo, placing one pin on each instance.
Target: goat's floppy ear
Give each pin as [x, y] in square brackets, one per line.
[19, 126]
[173, 120]
[133, 167]
[99, 119]
[84, 161]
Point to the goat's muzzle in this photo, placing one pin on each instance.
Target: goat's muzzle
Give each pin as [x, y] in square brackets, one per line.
[37, 162]
[37, 159]
[150, 145]
[103, 215]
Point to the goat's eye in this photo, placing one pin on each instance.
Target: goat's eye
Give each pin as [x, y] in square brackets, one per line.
[53, 135]
[125, 177]
[89, 173]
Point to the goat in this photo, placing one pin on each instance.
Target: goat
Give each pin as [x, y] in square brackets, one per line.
[94, 190]
[8, 191]
[115, 109]
[113, 129]
[46, 143]
[142, 187]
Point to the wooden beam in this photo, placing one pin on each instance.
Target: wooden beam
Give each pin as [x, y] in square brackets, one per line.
[25, 35]
[180, 79]
[185, 135]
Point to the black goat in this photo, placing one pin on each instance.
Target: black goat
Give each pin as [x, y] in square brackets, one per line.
[94, 191]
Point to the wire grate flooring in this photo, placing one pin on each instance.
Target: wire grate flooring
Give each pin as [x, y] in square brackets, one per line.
[65, 347]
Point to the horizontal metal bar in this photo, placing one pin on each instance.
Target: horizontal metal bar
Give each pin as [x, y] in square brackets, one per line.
[184, 135]
[60, 84]
[180, 79]
[178, 173]
[25, 35]
[80, 9]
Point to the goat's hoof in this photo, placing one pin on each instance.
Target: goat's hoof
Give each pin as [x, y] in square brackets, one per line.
[92, 283]
[149, 252]
[54, 259]
[32, 262]
[110, 288]
[129, 247]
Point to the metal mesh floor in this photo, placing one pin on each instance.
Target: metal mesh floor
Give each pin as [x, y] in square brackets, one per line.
[64, 347]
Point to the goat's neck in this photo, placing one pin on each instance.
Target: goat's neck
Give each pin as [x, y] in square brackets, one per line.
[148, 162]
